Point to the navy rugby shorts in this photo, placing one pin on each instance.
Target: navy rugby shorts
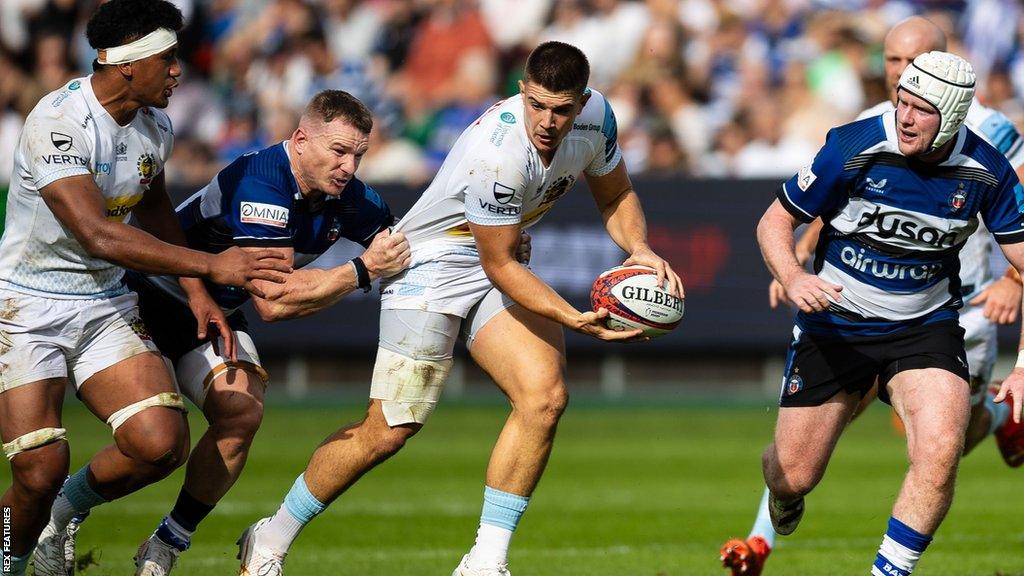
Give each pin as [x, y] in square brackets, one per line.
[170, 322]
[818, 367]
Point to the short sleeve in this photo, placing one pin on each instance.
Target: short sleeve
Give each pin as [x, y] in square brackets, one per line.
[608, 154]
[364, 213]
[817, 188]
[494, 191]
[258, 214]
[55, 148]
[1003, 213]
[1004, 136]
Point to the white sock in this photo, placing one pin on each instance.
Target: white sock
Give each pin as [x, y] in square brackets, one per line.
[763, 523]
[280, 532]
[491, 547]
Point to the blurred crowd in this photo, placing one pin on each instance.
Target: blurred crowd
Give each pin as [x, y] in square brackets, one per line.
[705, 88]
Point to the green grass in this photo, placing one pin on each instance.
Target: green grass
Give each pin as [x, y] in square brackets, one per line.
[629, 491]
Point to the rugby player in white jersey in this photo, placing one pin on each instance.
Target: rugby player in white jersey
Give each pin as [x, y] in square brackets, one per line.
[987, 301]
[90, 154]
[502, 175]
[881, 306]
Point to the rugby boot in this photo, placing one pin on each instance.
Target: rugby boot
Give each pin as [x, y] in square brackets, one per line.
[55, 551]
[155, 557]
[255, 561]
[785, 517]
[745, 557]
[463, 569]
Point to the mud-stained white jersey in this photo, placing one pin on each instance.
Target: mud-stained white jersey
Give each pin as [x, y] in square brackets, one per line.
[494, 176]
[999, 131]
[67, 134]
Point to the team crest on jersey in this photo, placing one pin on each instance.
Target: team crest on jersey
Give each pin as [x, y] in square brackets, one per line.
[503, 194]
[121, 151]
[139, 328]
[958, 198]
[794, 384]
[60, 141]
[558, 189]
[147, 166]
[805, 178]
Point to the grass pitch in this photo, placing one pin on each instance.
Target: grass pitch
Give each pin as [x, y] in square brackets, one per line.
[649, 491]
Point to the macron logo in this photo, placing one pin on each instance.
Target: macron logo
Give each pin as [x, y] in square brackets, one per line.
[267, 214]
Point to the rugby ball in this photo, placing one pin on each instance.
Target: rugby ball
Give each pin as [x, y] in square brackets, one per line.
[634, 300]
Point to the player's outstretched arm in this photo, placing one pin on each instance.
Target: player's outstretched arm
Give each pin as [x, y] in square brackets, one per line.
[624, 219]
[498, 246]
[1012, 388]
[775, 236]
[78, 204]
[310, 290]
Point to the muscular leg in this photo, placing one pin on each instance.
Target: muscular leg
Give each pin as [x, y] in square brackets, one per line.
[234, 409]
[524, 354]
[352, 451]
[150, 444]
[37, 474]
[804, 440]
[530, 373]
[934, 406]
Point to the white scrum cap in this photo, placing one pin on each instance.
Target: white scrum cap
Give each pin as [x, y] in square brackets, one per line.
[946, 81]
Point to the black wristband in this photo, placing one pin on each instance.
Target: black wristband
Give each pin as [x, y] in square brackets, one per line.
[362, 274]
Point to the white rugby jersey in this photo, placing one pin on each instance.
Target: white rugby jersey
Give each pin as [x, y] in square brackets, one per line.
[494, 176]
[67, 134]
[999, 131]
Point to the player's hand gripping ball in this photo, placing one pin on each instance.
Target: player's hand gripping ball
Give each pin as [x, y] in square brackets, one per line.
[634, 300]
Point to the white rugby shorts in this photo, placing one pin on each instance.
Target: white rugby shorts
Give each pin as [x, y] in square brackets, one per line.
[44, 338]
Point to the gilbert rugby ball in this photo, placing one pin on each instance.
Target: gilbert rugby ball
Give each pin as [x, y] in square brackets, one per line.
[634, 300]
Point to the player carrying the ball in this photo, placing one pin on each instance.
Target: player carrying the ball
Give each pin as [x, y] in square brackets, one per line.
[503, 174]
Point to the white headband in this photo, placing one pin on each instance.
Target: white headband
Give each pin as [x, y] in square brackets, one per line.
[153, 43]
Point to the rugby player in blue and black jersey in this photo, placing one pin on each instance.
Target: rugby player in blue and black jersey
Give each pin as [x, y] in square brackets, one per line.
[299, 197]
[882, 303]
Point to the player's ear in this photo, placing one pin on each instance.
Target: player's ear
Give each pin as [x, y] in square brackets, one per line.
[583, 100]
[299, 139]
[125, 69]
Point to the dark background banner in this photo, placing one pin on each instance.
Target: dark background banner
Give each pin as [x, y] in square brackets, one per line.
[704, 228]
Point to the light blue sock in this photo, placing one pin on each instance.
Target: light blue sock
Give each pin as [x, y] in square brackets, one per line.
[999, 413]
[901, 548]
[298, 509]
[763, 523]
[15, 565]
[301, 503]
[502, 509]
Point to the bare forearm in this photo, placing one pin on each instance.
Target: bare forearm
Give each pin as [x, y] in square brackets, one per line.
[132, 248]
[520, 284]
[776, 241]
[626, 223]
[308, 291]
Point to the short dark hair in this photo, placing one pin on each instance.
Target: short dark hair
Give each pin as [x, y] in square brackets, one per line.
[558, 67]
[120, 21]
[330, 104]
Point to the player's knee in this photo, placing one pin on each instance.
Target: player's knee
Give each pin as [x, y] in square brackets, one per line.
[158, 440]
[239, 422]
[388, 442]
[39, 473]
[545, 408]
